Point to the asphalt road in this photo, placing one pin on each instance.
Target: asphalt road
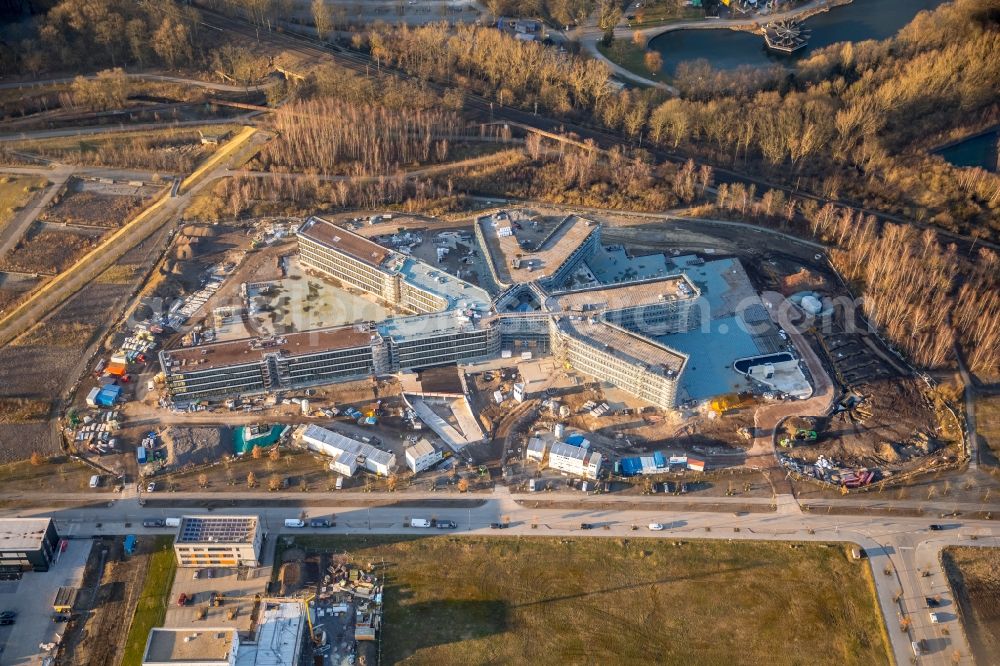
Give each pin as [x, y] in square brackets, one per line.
[904, 547]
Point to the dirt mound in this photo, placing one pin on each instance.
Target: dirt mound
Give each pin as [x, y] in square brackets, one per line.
[196, 231]
[887, 452]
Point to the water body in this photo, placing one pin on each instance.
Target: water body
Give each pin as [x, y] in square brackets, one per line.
[979, 151]
[728, 49]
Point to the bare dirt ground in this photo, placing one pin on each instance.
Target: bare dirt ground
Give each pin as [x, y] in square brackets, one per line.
[974, 576]
[45, 368]
[90, 204]
[896, 427]
[47, 252]
[110, 590]
[195, 446]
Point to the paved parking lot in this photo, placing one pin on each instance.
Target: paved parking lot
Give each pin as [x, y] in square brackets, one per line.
[237, 588]
[31, 598]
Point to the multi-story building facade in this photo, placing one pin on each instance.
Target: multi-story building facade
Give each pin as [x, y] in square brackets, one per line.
[550, 302]
[218, 541]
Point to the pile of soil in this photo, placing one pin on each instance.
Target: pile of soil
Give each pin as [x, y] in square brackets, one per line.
[196, 446]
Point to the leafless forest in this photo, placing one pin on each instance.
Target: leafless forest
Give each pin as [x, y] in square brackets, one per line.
[331, 136]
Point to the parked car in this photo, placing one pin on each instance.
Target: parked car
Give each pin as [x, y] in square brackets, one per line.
[932, 602]
[158, 522]
[4, 621]
[935, 618]
[935, 527]
[7, 614]
[655, 527]
[497, 526]
[61, 617]
[151, 487]
[586, 526]
[446, 524]
[183, 599]
[320, 522]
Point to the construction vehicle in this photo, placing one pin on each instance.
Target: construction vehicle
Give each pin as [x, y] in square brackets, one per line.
[806, 435]
[312, 630]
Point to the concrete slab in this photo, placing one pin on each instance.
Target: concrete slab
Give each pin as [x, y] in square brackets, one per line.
[31, 598]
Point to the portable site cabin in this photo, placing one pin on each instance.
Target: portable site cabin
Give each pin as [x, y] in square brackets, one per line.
[116, 368]
[108, 395]
[92, 396]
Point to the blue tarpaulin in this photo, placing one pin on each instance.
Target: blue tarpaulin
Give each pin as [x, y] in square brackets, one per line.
[631, 466]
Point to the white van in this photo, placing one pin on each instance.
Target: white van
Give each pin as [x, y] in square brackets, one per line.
[340, 483]
[293, 522]
[95, 481]
[419, 522]
[172, 522]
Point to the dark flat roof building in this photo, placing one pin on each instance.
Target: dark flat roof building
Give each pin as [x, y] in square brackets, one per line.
[27, 544]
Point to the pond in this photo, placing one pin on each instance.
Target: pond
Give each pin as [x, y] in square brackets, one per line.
[728, 49]
[980, 151]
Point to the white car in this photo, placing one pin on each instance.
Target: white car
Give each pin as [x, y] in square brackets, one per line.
[151, 487]
[935, 619]
[656, 527]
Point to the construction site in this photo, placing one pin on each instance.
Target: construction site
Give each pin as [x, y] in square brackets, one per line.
[219, 287]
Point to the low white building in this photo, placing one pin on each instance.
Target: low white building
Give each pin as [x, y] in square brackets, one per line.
[348, 453]
[574, 460]
[191, 647]
[422, 455]
[536, 449]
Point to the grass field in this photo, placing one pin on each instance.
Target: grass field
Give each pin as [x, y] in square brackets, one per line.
[974, 576]
[988, 422]
[625, 53]
[471, 600]
[59, 474]
[23, 410]
[15, 193]
[152, 606]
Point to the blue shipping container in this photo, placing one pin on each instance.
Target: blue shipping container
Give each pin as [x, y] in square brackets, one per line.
[140, 455]
[130, 544]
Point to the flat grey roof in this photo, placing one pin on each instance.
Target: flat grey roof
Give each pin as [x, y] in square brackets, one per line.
[22, 533]
[217, 529]
[188, 646]
[439, 323]
[647, 292]
[350, 446]
[421, 448]
[337, 238]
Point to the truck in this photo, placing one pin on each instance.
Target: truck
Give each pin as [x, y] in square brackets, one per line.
[172, 522]
[294, 522]
[419, 522]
